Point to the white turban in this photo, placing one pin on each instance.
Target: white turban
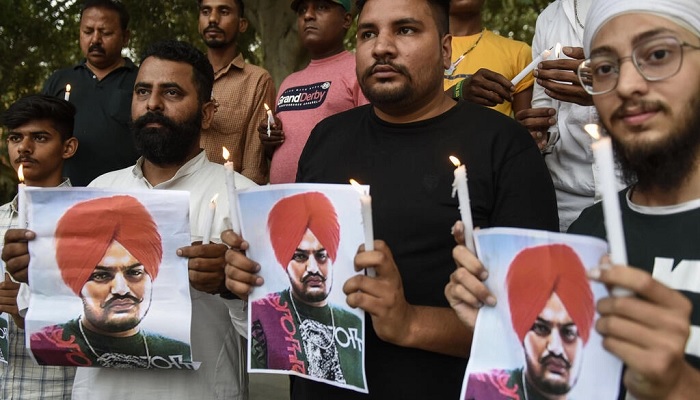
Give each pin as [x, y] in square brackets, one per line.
[685, 13]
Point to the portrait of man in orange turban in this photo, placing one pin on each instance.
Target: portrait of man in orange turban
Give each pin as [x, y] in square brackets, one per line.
[298, 329]
[552, 310]
[108, 252]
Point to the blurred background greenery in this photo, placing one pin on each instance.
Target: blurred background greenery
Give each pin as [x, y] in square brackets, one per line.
[40, 36]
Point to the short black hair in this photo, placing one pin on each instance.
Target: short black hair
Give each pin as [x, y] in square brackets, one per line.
[37, 107]
[239, 3]
[175, 50]
[441, 13]
[113, 5]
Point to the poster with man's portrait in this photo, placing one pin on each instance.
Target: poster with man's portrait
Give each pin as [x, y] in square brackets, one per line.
[540, 339]
[305, 238]
[107, 287]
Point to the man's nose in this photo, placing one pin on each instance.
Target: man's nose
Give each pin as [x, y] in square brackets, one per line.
[554, 345]
[312, 264]
[119, 285]
[384, 47]
[26, 145]
[96, 37]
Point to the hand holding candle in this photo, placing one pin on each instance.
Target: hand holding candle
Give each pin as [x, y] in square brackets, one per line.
[270, 119]
[603, 154]
[231, 191]
[459, 187]
[366, 202]
[209, 221]
[66, 96]
[543, 56]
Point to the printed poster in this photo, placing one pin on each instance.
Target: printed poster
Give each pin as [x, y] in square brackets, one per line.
[540, 339]
[107, 288]
[305, 238]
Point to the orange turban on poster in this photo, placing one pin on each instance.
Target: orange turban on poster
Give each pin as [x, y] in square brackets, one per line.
[538, 272]
[292, 216]
[88, 228]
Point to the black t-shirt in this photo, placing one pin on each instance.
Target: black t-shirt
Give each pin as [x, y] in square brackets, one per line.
[410, 175]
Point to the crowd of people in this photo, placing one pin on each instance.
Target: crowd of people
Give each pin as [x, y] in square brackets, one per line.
[416, 90]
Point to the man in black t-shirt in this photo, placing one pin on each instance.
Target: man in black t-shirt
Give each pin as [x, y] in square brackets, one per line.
[416, 348]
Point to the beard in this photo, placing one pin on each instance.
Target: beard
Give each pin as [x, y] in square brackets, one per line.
[169, 144]
[666, 164]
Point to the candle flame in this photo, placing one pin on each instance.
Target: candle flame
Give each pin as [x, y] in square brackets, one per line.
[592, 130]
[546, 53]
[213, 199]
[68, 87]
[20, 173]
[266, 106]
[557, 50]
[455, 161]
[225, 153]
[355, 184]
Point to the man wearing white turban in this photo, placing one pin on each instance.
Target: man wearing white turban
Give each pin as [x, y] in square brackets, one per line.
[642, 70]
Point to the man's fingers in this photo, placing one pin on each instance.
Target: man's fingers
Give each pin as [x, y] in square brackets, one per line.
[18, 235]
[211, 250]
[574, 52]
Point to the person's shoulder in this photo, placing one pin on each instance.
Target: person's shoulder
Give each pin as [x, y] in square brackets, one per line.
[257, 71]
[504, 41]
[109, 179]
[350, 116]
[588, 221]
[550, 12]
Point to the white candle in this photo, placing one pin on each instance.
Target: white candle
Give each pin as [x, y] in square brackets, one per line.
[366, 204]
[543, 56]
[557, 53]
[66, 96]
[209, 221]
[459, 187]
[231, 191]
[21, 200]
[270, 119]
[604, 162]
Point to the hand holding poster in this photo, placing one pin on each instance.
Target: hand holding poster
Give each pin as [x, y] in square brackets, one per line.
[107, 288]
[305, 238]
[539, 341]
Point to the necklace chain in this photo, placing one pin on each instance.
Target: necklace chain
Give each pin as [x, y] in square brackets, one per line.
[453, 66]
[578, 21]
[92, 349]
[294, 306]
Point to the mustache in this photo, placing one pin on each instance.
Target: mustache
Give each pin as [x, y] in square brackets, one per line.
[24, 159]
[644, 105]
[397, 67]
[550, 357]
[118, 297]
[96, 48]
[312, 275]
[213, 28]
[151, 117]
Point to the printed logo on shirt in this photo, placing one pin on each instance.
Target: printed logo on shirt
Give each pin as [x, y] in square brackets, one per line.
[683, 275]
[303, 97]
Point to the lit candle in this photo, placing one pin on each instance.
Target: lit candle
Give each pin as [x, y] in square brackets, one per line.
[557, 53]
[543, 56]
[231, 191]
[209, 221]
[66, 96]
[21, 200]
[270, 119]
[460, 188]
[603, 154]
[366, 203]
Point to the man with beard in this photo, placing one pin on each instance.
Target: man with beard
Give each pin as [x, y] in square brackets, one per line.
[399, 145]
[326, 340]
[171, 104]
[642, 71]
[100, 88]
[110, 263]
[551, 308]
[240, 91]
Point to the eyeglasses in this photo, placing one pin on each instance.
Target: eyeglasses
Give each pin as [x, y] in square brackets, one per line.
[655, 59]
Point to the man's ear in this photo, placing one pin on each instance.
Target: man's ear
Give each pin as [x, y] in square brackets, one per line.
[70, 146]
[446, 42]
[347, 21]
[208, 110]
[242, 25]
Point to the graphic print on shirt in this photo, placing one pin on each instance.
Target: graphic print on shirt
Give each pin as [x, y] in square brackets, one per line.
[305, 97]
[685, 277]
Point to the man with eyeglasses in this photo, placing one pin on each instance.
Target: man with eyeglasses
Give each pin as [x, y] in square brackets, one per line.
[642, 70]
[298, 329]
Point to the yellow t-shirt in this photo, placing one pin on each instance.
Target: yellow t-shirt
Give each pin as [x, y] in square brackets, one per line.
[499, 54]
